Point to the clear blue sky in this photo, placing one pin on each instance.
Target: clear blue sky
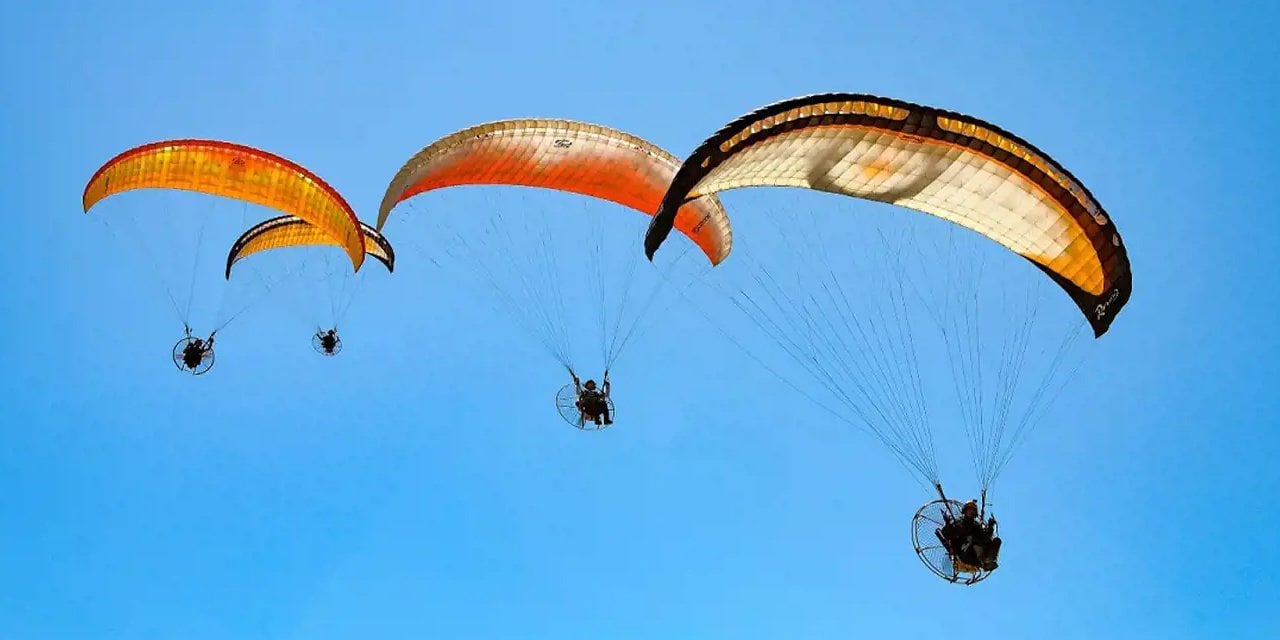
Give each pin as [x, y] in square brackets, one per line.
[425, 492]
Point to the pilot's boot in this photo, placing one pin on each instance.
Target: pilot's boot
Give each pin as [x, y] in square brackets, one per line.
[993, 552]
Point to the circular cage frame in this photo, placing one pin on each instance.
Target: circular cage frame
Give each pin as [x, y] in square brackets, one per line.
[206, 362]
[319, 347]
[567, 406]
[926, 538]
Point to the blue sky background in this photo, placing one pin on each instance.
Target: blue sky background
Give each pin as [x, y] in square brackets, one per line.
[418, 486]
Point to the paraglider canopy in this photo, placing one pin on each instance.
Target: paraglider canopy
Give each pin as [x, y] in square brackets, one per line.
[292, 231]
[234, 171]
[947, 164]
[563, 155]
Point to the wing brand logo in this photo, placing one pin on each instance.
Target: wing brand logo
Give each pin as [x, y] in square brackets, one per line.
[1102, 309]
[701, 223]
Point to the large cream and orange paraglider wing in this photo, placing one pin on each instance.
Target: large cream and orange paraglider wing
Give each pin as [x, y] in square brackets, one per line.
[952, 166]
[563, 155]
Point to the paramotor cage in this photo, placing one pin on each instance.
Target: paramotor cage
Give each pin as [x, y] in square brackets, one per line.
[567, 405]
[179, 356]
[934, 550]
[317, 343]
